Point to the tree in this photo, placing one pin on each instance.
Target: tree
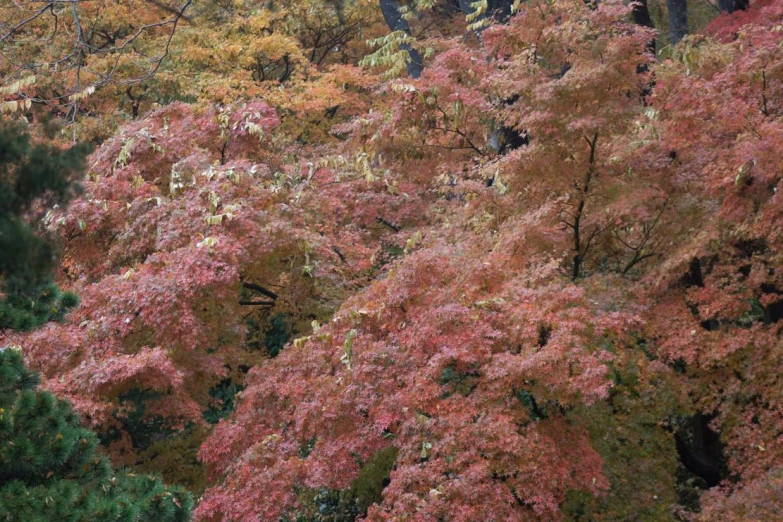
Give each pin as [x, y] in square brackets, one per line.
[84, 60]
[59, 53]
[729, 301]
[198, 243]
[397, 23]
[473, 372]
[586, 298]
[34, 177]
[335, 288]
[641, 16]
[50, 467]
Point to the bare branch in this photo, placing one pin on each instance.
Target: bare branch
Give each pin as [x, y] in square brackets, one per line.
[260, 289]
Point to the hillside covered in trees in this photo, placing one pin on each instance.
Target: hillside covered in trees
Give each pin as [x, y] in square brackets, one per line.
[393, 260]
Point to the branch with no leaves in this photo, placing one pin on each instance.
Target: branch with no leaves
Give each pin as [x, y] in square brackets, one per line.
[641, 250]
[580, 246]
[82, 46]
[389, 224]
[245, 302]
[260, 289]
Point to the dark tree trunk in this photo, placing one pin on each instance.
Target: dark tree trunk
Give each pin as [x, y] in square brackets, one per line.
[465, 6]
[498, 9]
[641, 16]
[729, 6]
[395, 21]
[501, 138]
[700, 450]
[678, 20]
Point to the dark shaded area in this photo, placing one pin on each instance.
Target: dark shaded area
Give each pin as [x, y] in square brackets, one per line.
[33, 179]
[278, 334]
[504, 138]
[710, 325]
[348, 505]
[269, 334]
[455, 381]
[528, 401]
[694, 276]
[773, 312]
[143, 429]
[223, 394]
[641, 16]
[730, 6]
[700, 449]
[749, 247]
[307, 448]
[544, 333]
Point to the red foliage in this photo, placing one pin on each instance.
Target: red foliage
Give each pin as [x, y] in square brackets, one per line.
[158, 246]
[726, 28]
[678, 197]
[531, 327]
[429, 360]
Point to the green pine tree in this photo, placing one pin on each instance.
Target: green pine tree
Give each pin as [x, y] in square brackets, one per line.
[50, 466]
[51, 469]
[34, 177]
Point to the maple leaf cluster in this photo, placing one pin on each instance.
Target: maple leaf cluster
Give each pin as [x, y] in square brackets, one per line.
[171, 252]
[539, 279]
[626, 256]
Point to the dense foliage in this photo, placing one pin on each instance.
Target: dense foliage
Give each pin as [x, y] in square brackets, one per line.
[51, 469]
[33, 178]
[420, 260]
[50, 466]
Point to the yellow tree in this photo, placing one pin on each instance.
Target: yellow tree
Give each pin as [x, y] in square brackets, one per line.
[58, 53]
[104, 62]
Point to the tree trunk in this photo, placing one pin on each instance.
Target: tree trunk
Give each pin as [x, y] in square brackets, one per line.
[729, 6]
[498, 9]
[678, 20]
[501, 138]
[641, 16]
[395, 21]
